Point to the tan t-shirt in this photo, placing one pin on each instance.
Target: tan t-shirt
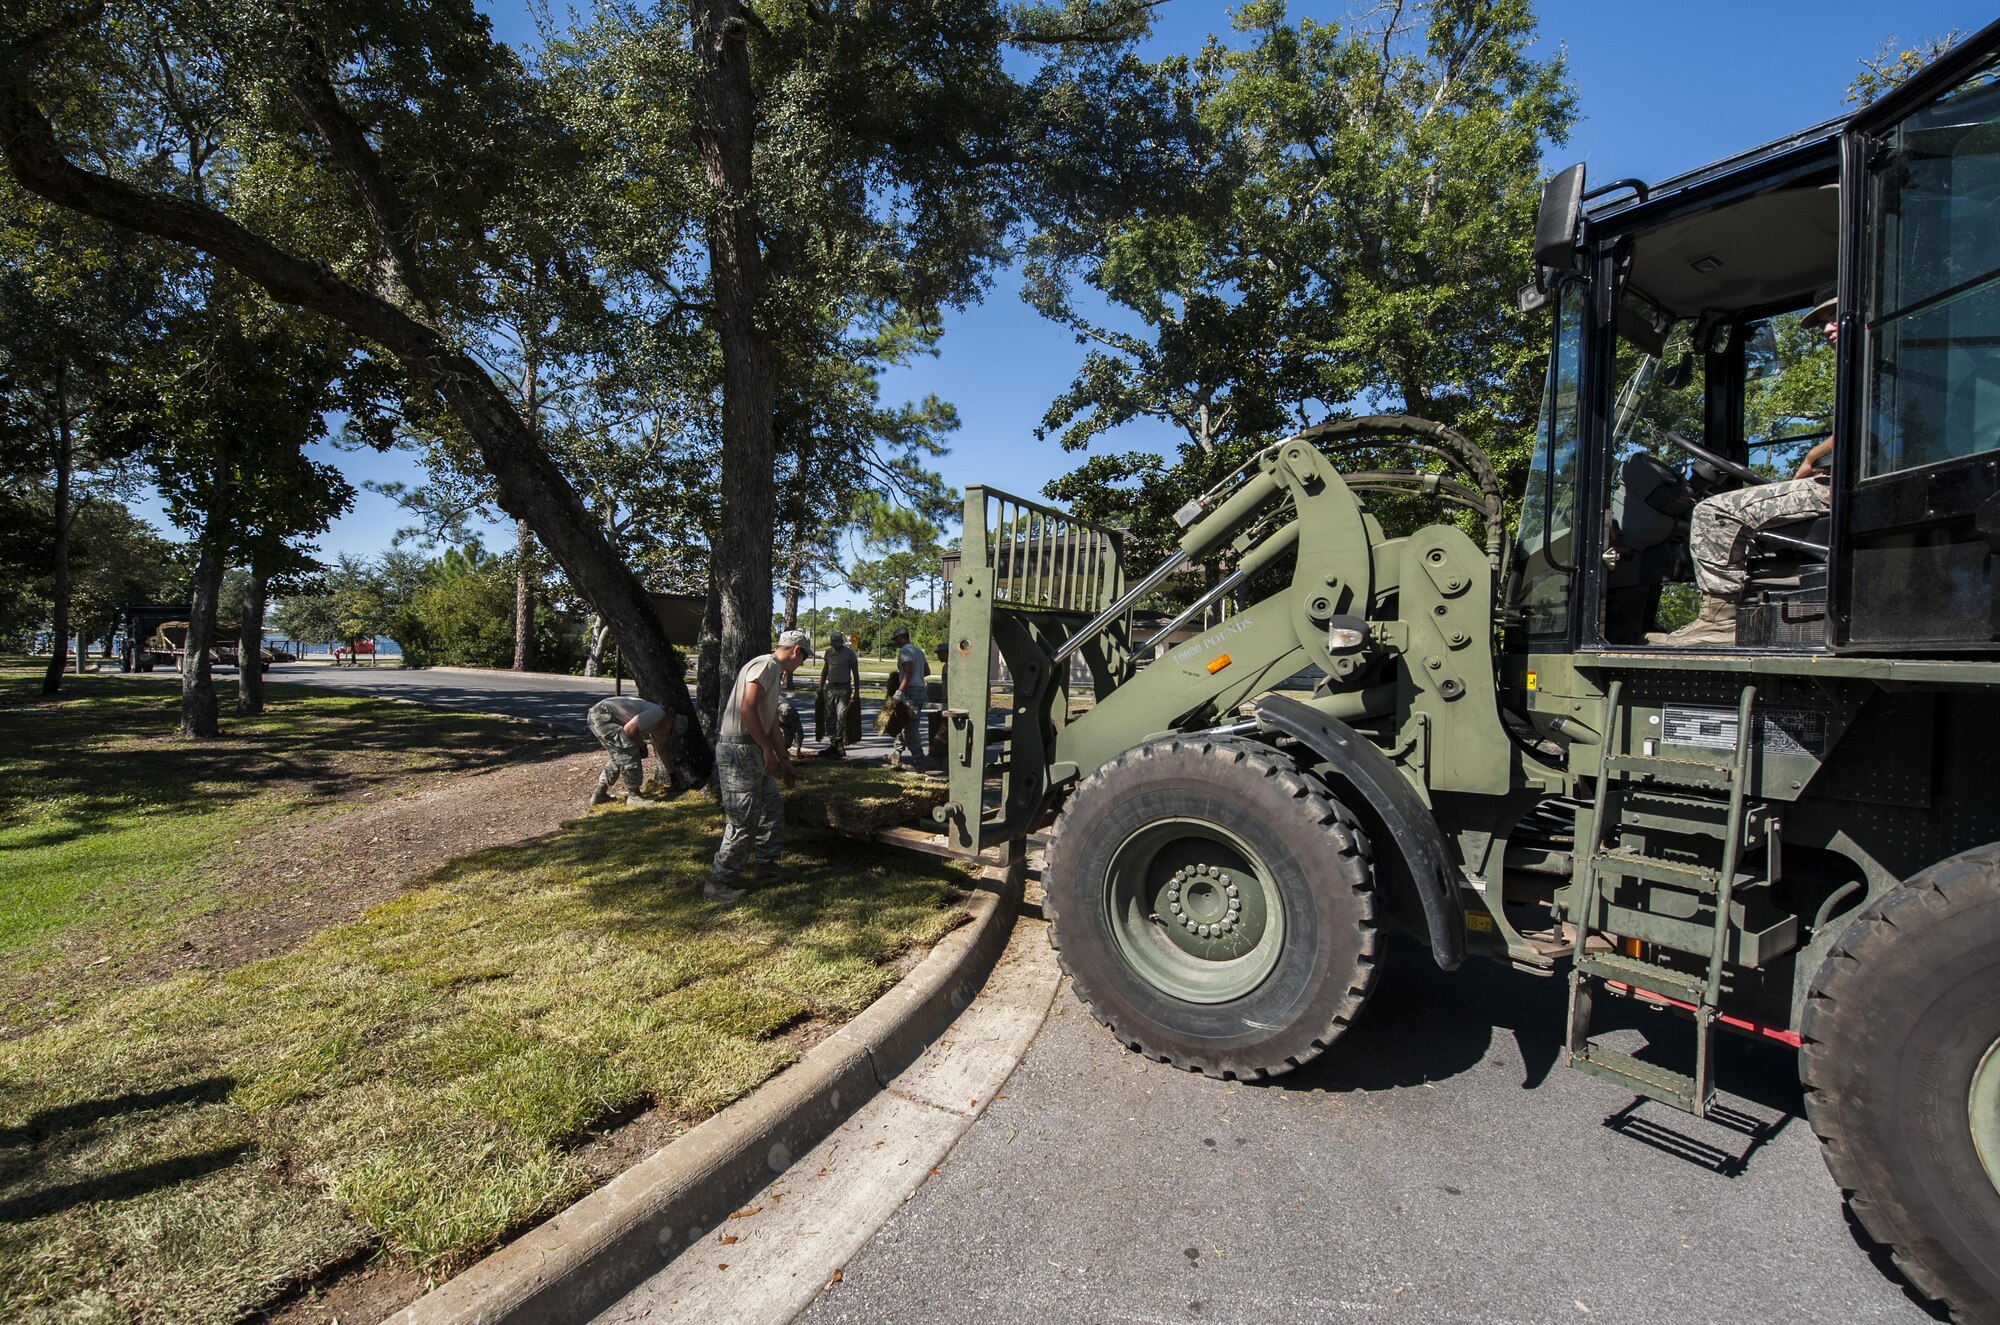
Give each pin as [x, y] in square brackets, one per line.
[764, 670]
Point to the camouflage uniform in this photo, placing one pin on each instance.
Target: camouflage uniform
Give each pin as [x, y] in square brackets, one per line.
[841, 670]
[754, 807]
[1720, 539]
[627, 754]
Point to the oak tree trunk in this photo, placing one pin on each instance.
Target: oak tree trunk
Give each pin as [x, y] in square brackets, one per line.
[794, 580]
[524, 598]
[529, 484]
[250, 643]
[198, 715]
[710, 693]
[59, 608]
[724, 131]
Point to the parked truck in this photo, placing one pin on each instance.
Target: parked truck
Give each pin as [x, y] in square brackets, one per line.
[1469, 726]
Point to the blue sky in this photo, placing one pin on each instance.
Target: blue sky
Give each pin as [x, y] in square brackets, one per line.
[1662, 88]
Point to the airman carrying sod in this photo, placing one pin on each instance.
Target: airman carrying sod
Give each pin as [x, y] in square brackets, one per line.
[750, 757]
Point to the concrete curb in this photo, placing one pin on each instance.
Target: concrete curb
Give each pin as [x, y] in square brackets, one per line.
[589, 1256]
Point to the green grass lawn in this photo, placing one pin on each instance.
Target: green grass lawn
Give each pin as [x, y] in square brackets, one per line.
[107, 818]
[418, 1081]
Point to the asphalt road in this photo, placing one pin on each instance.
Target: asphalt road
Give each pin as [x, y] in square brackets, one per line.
[559, 701]
[1437, 1165]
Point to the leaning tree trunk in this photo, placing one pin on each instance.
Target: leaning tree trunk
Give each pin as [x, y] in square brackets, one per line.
[724, 130]
[530, 485]
[198, 715]
[59, 608]
[250, 643]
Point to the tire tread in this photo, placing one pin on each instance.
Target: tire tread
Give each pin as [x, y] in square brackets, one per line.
[1324, 811]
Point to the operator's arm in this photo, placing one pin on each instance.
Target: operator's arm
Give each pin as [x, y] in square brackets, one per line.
[1812, 458]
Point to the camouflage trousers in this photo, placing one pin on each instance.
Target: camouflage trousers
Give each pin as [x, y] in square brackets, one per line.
[1720, 539]
[628, 754]
[839, 698]
[753, 807]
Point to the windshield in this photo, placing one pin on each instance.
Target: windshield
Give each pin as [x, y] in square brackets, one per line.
[1542, 547]
[1547, 507]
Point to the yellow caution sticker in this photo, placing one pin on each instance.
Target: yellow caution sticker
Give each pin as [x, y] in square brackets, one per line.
[1479, 922]
[1531, 680]
[1218, 664]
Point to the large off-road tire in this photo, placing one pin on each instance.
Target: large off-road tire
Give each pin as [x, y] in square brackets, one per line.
[1901, 1062]
[1213, 906]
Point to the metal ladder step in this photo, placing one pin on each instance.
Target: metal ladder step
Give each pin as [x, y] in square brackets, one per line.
[1649, 976]
[1656, 810]
[1660, 1083]
[1630, 796]
[1672, 772]
[1622, 862]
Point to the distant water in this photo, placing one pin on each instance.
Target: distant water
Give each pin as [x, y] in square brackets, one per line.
[384, 647]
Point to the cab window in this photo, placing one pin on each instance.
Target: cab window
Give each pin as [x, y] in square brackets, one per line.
[1933, 301]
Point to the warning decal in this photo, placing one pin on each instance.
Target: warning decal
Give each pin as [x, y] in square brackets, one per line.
[1781, 731]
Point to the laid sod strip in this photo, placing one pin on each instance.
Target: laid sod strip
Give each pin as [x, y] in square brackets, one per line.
[107, 817]
[860, 799]
[418, 1080]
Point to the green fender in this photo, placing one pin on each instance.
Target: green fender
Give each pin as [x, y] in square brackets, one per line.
[1391, 796]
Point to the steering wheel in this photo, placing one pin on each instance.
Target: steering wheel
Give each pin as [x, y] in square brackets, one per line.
[1710, 458]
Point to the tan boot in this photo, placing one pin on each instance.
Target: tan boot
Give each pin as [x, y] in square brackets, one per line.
[1714, 628]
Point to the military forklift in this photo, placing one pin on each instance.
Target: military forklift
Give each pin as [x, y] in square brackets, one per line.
[1479, 733]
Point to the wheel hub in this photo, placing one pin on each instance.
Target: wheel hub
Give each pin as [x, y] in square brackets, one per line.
[1193, 909]
[1204, 899]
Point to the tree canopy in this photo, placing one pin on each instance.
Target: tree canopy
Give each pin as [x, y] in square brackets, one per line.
[1336, 229]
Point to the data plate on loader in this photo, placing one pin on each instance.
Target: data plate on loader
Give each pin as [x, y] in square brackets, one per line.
[1782, 731]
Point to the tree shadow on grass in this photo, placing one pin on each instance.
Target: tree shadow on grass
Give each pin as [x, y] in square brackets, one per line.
[27, 1150]
[122, 1185]
[85, 1113]
[107, 752]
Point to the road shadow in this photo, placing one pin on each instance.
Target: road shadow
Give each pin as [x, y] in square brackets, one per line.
[1424, 1025]
[1673, 1138]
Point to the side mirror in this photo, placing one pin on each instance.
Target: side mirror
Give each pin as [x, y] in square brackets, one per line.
[1556, 223]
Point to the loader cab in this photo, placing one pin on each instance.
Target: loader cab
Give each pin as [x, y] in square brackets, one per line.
[1680, 369]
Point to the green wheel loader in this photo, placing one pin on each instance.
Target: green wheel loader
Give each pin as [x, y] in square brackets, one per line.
[1491, 737]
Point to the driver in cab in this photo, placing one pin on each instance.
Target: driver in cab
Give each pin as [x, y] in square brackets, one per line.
[1723, 525]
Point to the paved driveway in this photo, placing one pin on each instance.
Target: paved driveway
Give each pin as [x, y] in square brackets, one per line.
[1438, 1165]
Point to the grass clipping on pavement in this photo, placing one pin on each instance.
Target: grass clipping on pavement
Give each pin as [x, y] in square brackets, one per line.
[419, 1080]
